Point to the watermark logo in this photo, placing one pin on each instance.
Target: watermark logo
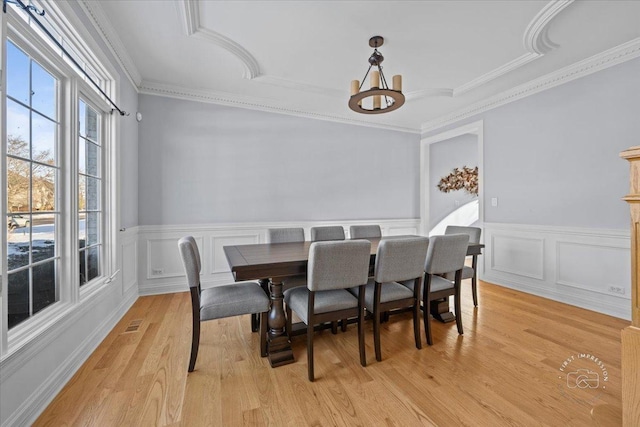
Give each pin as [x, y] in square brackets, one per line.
[583, 372]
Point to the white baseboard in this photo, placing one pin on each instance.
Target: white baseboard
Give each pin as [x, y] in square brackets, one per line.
[161, 268]
[588, 268]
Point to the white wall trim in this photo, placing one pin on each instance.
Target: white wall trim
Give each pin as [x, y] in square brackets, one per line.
[93, 11]
[536, 36]
[251, 103]
[161, 270]
[189, 10]
[32, 407]
[617, 55]
[579, 265]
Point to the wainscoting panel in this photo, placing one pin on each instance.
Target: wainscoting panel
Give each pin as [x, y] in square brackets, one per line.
[161, 267]
[519, 255]
[129, 261]
[589, 268]
[219, 260]
[611, 270]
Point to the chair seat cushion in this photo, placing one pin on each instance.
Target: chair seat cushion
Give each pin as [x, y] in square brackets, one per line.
[325, 301]
[232, 300]
[467, 273]
[438, 284]
[390, 291]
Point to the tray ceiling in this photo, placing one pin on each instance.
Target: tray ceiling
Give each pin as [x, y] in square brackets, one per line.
[299, 57]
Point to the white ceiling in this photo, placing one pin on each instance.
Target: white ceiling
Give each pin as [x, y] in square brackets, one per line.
[298, 57]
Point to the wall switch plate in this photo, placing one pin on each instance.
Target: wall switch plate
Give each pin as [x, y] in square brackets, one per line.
[494, 202]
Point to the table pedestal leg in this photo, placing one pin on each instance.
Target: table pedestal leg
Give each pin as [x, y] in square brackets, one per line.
[278, 344]
[440, 310]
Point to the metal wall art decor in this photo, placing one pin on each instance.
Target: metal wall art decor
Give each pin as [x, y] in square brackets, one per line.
[460, 179]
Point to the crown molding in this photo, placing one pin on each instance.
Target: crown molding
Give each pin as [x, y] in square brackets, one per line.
[93, 11]
[253, 103]
[536, 37]
[189, 11]
[424, 93]
[601, 61]
[495, 73]
[296, 85]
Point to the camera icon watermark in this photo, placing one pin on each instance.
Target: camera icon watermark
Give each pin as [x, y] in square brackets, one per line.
[583, 378]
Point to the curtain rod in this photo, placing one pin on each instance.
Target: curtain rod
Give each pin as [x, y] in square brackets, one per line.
[30, 9]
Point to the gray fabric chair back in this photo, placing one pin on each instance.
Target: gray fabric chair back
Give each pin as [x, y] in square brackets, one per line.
[319, 234]
[472, 232]
[365, 231]
[338, 265]
[401, 259]
[446, 253]
[285, 235]
[190, 260]
[197, 251]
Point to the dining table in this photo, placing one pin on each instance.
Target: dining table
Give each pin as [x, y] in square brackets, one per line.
[271, 263]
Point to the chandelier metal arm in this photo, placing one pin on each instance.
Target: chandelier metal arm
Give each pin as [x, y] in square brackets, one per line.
[364, 79]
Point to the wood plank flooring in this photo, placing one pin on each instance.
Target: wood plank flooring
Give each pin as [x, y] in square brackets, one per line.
[505, 370]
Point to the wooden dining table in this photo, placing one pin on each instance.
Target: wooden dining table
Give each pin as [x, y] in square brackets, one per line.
[270, 264]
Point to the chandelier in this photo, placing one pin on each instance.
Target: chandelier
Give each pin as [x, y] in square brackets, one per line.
[379, 89]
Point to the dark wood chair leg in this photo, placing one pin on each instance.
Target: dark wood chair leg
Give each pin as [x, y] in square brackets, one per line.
[376, 322]
[334, 327]
[363, 356]
[416, 312]
[416, 324]
[255, 322]
[474, 280]
[426, 306]
[456, 299]
[195, 343]
[310, 350]
[195, 328]
[344, 325]
[263, 334]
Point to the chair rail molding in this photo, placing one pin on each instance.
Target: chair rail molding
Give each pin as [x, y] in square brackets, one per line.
[585, 267]
[160, 266]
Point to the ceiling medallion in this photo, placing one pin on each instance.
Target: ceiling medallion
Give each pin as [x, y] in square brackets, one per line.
[393, 98]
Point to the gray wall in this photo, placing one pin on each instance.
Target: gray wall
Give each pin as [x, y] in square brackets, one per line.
[444, 156]
[128, 155]
[204, 163]
[552, 158]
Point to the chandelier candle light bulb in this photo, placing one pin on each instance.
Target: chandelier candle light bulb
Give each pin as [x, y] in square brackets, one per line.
[375, 84]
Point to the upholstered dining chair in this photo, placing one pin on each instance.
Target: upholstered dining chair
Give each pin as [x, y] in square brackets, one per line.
[468, 272]
[446, 254]
[398, 260]
[285, 235]
[319, 234]
[333, 268]
[288, 235]
[365, 231]
[219, 301]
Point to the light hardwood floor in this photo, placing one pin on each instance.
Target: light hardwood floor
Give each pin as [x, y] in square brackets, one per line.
[505, 370]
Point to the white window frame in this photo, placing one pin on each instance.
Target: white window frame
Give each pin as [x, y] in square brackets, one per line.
[72, 87]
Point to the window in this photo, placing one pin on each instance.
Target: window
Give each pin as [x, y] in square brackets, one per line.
[90, 189]
[57, 185]
[31, 180]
